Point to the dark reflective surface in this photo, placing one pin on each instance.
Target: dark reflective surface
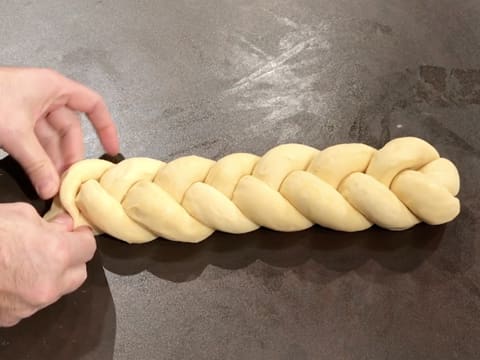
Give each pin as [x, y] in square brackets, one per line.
[342, 252]
[215, 77]
[80, 325]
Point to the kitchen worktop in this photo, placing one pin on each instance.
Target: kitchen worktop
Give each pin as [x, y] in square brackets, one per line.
[214, 77]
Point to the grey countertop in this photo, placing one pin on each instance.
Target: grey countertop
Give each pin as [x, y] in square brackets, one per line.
[214, 77]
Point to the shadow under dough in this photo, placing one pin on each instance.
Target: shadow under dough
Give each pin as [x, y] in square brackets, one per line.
[342, 252]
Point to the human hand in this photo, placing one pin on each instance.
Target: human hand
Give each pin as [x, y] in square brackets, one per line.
[39, 125]
[39, 261]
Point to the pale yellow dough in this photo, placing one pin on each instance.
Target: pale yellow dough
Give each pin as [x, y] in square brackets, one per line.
[347, 187]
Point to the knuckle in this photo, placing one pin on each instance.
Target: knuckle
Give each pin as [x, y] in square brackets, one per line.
[61, 253]
[44, 295]
[88, 241]
[9, 321]
[92, 246]
[77, 280]
[38, 166]
[26, 312]
[82, 276]
[98, 99]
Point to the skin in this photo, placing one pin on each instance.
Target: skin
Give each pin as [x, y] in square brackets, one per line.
[41, 261]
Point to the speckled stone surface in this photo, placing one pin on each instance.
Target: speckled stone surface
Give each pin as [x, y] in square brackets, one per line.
[214, 77]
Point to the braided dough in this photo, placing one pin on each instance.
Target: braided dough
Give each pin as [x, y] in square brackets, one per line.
[346, 187]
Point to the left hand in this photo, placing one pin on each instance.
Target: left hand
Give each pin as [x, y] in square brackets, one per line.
[39, 125]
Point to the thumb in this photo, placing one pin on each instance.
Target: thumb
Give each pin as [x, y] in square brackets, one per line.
[63, 222]
[36, 163]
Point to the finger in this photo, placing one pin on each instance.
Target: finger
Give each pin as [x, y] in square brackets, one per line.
[62, 222]
[66, 123]
[101, 120]
[36, 163]
[81, 98]
[74, 278]
[50, 141]
[81, 245]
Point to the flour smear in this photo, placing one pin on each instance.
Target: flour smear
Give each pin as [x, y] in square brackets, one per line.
[285, 84]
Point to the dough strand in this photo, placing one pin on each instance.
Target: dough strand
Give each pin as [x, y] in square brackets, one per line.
[346, 187]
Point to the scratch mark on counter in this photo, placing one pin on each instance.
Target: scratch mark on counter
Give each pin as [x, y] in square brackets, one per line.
[272, 65]
[286, 21]
[254, 47]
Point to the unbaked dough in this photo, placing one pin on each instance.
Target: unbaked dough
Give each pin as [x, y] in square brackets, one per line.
[347, 187]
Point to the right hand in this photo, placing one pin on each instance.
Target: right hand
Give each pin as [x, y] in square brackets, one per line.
[40, 261]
